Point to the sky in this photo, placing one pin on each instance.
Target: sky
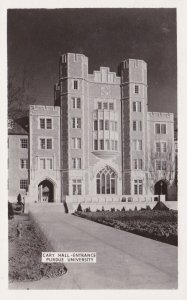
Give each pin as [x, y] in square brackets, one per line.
[37, 38]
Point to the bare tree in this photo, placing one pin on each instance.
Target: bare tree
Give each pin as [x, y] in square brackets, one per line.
[19, 96]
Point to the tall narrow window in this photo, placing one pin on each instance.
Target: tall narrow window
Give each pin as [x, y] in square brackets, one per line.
[136, 89]
[95, 144]
[164, 146]
[78, 103]
[158, 149]
[42, 123]
[99, 105]
[49, 163]
[134, 125]
[24, 163]
[73, 123]
[76, 163]
[107, 144]
[137, 106]
[49, 143]
[158, 165]
[78, 143]
[78, 122]
[101, 124]
[106, 125]
[157, 128]
[101, 144]
[111, 106]
[49, 123]
[73, 103]
[95, 124]
[42, 163]
[75, 84]
[164, 165]
[105, 105]
[42, 143]
[138, 187]
[77, 187]
[163, 128]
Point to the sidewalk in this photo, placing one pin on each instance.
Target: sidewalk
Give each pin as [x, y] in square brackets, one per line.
[124, 260]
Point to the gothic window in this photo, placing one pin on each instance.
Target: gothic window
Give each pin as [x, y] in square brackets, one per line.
[138, 187]
[106, 181]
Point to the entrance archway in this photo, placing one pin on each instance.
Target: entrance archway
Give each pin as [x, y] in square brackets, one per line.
[161, 188]
[45, 191]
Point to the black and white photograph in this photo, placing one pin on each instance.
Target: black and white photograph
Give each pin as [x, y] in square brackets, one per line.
[92, 148]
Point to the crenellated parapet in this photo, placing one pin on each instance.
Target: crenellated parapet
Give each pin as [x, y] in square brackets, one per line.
[44, 110]
[104, 76]
[160, 116]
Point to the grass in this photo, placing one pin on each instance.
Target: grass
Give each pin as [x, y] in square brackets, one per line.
[25, 253]
[154, 224]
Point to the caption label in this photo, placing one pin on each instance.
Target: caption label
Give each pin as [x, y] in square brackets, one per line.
[69, 257]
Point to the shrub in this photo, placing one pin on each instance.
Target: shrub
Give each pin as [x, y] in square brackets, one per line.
[135, 208]
[18, 208]
[87, 209]
[66, 208]
[142, 209]
[148, 207]
[10, 210]
[112, 209]
[19, 199]
[123, 209]
[79, 208]
[102, 208]
[160, 206]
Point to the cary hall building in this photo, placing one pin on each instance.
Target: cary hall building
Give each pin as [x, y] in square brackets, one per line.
[98, 142]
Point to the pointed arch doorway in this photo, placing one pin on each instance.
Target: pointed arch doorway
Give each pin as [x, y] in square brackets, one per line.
[45, 191]
[161, 188]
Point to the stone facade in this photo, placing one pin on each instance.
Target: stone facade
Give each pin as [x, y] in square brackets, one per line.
[98, 140]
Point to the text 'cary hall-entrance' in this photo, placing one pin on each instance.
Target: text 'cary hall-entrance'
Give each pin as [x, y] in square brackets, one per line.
[98, 142]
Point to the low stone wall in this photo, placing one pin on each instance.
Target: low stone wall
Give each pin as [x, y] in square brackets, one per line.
[111, 201]
[72, 207]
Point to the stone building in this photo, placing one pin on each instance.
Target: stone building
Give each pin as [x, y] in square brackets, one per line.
[98, 142]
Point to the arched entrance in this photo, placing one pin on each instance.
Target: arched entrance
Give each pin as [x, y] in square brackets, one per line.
[106, 181]
[45, 191]
[161, 188]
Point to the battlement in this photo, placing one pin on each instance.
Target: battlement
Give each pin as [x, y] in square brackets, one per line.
[162, 116]
[104, 76]
[133, 63]
[44, 110]
[73, 57]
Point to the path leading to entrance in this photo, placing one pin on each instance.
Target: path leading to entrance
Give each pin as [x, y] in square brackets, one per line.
[124, 260]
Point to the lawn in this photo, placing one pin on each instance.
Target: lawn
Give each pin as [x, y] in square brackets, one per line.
[154, 224]
[25, 253]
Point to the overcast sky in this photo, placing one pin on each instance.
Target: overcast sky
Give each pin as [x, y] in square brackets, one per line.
[36, 38]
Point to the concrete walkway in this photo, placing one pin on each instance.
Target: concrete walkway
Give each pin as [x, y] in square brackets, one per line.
[124, 260]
